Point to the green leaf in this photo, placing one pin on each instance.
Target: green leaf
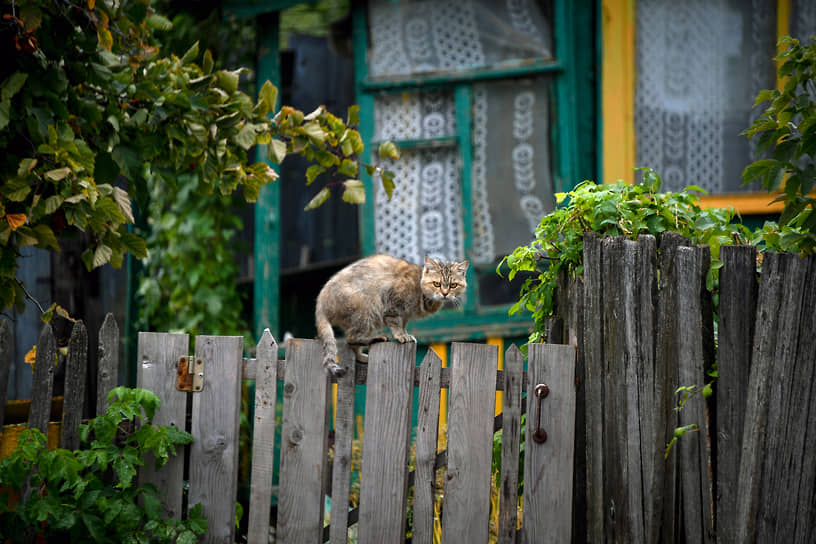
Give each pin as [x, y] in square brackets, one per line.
[315, 132]
[353, 118]
[45, 237]
[388, 185]
[58, 173]
[389, 151]
[134, 244]
[228, 80]
[318, 199]
[12, 85]
[207, 62]
[277, 151]
[347, 168]
[246, 137]
[312, 172]
[159, 22]
[191, 55]
[269, 95]
[354, 192]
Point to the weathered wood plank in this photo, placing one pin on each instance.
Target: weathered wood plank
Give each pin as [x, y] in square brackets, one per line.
[691, 267]
[737, 315]
[384, 478]
[263, 440]
[108, 361]
[511, 442]
[76, 369]
[470, 443]
[769, 341]
[42, 383]
[157, 357]
[215, 427]
[548, 465]
[304, 437]
[594, 385]
[343, 438]
[787, 417]
[6, 358]
[426, 443]
[575, 337]
[666, 377]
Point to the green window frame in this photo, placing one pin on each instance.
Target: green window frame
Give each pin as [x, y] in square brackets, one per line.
[474, 320]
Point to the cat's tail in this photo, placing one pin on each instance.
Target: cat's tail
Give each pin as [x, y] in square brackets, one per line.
[326, 336]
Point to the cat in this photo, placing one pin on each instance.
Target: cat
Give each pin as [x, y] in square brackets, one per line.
[382, 291]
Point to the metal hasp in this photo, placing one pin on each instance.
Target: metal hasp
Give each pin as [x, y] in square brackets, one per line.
[190, 374]
[541, 392]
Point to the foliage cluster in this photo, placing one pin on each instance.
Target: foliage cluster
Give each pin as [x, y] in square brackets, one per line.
[787, 128]
[614, 210]
[92, 493]
[91, 113]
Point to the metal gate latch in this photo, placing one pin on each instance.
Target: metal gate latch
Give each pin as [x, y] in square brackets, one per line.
[190, 374]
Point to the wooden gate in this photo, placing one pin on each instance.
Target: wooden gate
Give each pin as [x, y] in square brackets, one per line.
[391, 380]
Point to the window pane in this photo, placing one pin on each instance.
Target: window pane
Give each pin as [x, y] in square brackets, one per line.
[414, 116]
[410, 37]
[700, 66]
[512, 172]
[424, 215]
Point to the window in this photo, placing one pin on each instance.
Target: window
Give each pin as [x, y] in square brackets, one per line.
[468, 90]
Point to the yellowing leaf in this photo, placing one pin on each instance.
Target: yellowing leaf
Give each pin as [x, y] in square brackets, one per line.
[16, 220]
[105, 38]
[355, 191]
[268, 95]
[277, 151]
[31, 356]
[318, 199]
[91, 4]
[58, 174]
[388, 150]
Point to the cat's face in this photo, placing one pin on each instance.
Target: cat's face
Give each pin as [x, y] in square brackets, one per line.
[444, 281]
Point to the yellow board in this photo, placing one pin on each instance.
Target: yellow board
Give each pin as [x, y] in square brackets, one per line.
[499, 394]
[441, 349]
[10, 434]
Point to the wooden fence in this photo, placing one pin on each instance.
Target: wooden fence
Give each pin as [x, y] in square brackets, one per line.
[391, 378]
[72, 370]
[643, 325]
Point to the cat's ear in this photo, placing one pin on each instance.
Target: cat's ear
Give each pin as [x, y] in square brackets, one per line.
[428, 263]
[462, 267]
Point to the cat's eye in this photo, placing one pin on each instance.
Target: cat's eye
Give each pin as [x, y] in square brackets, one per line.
[436, 284]
[454, 285]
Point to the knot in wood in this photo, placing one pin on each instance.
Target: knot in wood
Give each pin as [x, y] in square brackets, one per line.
[289, 388]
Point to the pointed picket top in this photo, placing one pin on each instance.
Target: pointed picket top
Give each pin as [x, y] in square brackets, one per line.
[108, 361]
[43, 381]
[75, 373]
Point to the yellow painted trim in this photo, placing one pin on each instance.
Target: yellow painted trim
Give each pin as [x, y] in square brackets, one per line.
[334, 404]
[744, 203]
[496, 341]
[441, 349]
[618, 88]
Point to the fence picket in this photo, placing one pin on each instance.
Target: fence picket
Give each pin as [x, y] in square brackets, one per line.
[693, 325]
[263, 439]
[511, 435]
[785, 446]
[6, 358]
[108, 361]
[43, 380]
[304, 436]
[215, 424]
[384, 476]
[76, 367]
[470, 442]
[157, 356]
[430, 375]
[548, 465]
[737, 313]
[341, 465]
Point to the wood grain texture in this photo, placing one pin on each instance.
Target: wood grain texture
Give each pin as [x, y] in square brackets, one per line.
[470, 443]
[343, 438]
[384, 478]
[157, 357]
[548, 465]
[42, 383]
[693, 450]
[108, 361]
[511, 443]
[6, 358]
[737, 315]
[215, 426]
[76, 368]
[594, 385]
[263, 440]
[426, 444]
[304, 436]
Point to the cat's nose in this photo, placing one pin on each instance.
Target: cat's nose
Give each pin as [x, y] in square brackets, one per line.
[445, 292]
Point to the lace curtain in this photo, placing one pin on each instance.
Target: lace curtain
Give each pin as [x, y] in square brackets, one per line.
[511, 179]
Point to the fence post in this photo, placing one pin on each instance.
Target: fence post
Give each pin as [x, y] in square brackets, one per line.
[108, 362]
[430, 376]
[215, 428]
[343, 438]
[76, 369]
[511, 436]
[158, 355]
[6, 358]
[384, 475]
[548, 465]
[263, 439]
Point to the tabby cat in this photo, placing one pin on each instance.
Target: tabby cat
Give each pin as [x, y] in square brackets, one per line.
[382, 291]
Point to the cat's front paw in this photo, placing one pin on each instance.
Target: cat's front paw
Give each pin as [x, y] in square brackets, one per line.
[405, 338]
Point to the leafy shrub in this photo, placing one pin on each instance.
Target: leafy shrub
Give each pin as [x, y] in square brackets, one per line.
[92, 493]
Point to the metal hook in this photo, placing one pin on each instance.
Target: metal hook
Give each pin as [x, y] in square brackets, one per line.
[541, 391]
